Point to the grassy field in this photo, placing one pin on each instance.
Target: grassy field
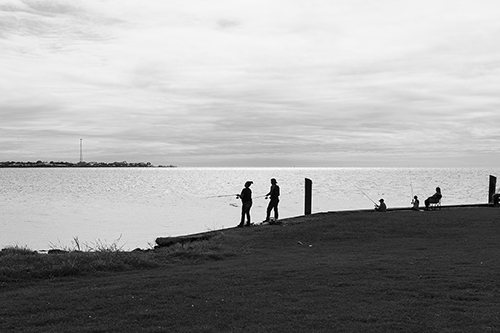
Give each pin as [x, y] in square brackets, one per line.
[400, 271]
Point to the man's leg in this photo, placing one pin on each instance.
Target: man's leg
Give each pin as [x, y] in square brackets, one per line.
[268, 211]
[276, 210]
[243, 212]
[248, 206]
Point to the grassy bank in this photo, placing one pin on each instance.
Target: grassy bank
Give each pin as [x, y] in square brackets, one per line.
[401, 271]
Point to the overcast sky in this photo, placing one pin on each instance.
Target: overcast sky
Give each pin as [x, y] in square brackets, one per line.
[251, 83]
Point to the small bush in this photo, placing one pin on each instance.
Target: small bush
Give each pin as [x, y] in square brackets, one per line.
[17, 250]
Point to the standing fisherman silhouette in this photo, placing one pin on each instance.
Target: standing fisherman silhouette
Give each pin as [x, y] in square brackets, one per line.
[274, 194]
[246, 203]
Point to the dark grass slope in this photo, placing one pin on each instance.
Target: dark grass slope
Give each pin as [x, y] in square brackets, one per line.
[400, 271]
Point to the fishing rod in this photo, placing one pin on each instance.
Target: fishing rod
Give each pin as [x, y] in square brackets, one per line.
[237, 196]
[231, 195]
[222, 196]
[411, 186]
[366, 195]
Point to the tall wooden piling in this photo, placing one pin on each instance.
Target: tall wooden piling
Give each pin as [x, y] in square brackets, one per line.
[493, 188]
[308, 197]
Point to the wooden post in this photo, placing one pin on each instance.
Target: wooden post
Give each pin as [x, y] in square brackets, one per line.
[308, 199]
[493, 188]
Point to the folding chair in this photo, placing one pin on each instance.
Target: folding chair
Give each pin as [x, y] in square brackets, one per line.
[435, 205]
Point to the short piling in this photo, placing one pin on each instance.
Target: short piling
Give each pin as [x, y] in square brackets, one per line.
[492, 189]
[308, 197]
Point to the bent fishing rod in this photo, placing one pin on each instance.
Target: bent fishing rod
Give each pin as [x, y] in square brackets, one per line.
[366, 195]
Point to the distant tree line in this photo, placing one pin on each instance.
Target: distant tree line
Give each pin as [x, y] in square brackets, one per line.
[52, 164]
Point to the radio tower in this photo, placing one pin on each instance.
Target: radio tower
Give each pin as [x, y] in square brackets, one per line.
[81, 152]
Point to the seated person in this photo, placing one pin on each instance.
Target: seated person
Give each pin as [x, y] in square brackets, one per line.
[415, 202]
[382, 207]
[435, 198]
[496, 198]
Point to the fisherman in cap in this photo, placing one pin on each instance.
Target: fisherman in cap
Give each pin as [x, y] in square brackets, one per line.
[381, 207]
[416, 203]
[246, 203]
[274, 194]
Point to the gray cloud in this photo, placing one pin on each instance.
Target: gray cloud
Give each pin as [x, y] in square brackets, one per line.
[251, 84]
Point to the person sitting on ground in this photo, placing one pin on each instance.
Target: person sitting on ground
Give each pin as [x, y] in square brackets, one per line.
[415, 202]
[435, 198]
[382, 207]
[496, 198]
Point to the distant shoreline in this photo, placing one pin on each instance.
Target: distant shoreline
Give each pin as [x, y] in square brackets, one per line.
[52, 164]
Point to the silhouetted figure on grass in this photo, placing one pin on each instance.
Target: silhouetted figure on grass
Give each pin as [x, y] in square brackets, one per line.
[415, 203]
[435, 198]
[382, 207]
[246, 203]
[496, 199]
[274, 194]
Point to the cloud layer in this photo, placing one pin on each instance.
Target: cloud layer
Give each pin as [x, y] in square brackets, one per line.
[251, 83]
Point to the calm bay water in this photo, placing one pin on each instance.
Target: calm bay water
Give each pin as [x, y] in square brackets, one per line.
[44, 208]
